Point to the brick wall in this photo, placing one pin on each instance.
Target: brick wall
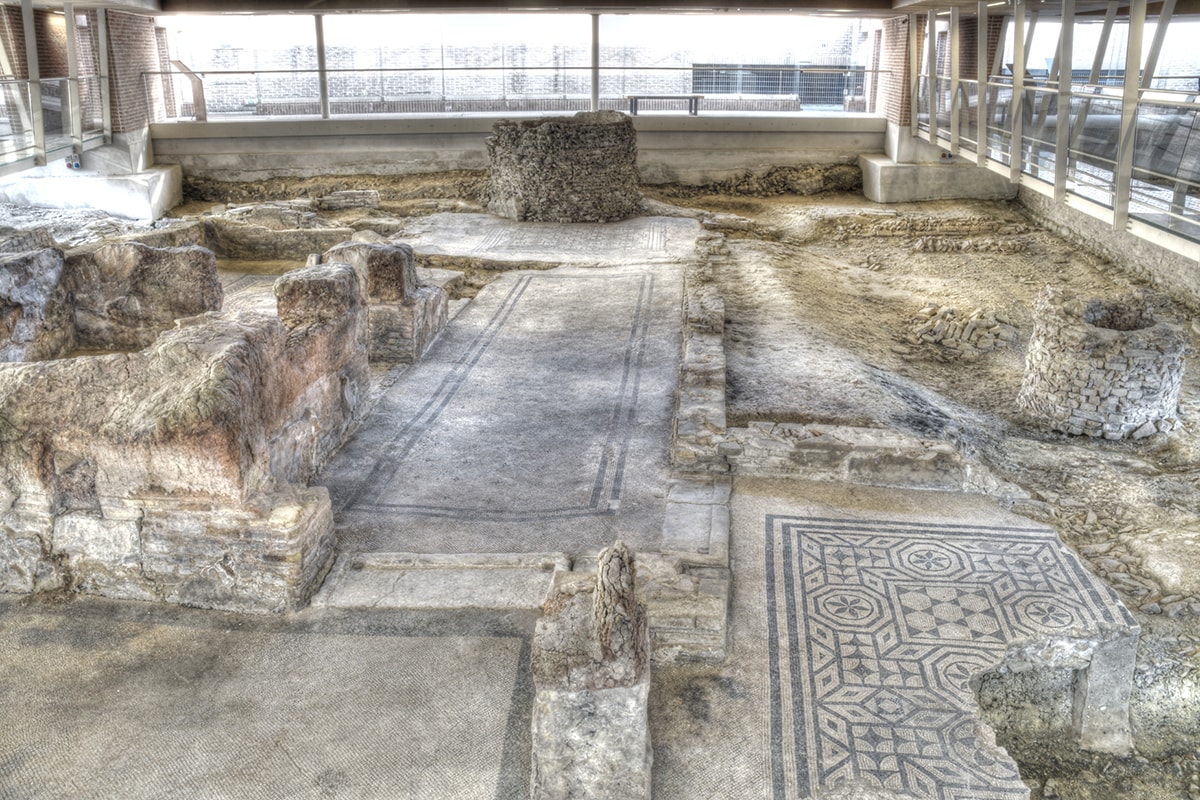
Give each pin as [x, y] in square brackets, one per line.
[896, 105]
[51, 43]
[968, 47]
[12, 39]
[133, 51]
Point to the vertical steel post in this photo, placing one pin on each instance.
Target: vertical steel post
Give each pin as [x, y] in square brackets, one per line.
[1062, 128]
[322, 72]
[914, 76]
[35, 83]
[1129, 102]
[105, 89]
[981, 91]
[1016, 107]
[955, 44]
[72, 106]
[595, 62]
[931, 89]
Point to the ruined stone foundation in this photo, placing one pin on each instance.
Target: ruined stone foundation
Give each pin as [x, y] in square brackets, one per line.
[1103, 368]
[564, 169]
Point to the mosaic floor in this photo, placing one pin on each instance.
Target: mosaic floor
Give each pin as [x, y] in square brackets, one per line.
[875, 628]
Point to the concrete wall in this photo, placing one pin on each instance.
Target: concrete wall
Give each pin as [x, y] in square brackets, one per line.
[670, 148]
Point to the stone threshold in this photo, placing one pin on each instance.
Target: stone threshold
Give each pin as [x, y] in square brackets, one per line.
[685, 587]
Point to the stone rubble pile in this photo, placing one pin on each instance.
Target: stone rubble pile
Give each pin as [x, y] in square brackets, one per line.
[891, 224]
[979, 332]
[944, 244]
[1102, 368]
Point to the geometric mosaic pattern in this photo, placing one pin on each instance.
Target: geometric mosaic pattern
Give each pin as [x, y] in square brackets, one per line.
[876, 628]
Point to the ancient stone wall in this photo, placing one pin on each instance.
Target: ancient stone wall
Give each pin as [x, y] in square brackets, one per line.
[118, 296]
[564, 169]
[124, 294]
[35, 310]
[405, 316]
[177, 473]
[1102, 367]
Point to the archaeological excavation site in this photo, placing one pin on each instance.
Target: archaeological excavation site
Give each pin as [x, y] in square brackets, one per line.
[575, 404]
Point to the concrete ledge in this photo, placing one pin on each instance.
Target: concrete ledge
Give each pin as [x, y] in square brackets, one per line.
[688, 149]
[140, 195]
[885, 181]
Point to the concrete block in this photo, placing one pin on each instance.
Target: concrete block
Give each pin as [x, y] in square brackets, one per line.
[140, 195]
[885, 181]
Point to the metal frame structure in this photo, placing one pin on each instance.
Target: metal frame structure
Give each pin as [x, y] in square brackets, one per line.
[1122, 185]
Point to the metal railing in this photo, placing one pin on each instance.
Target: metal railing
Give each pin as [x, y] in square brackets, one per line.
[1164, 189]
[236, 94]
[29, 130]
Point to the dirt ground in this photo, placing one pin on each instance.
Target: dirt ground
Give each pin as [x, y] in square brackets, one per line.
[822, 294]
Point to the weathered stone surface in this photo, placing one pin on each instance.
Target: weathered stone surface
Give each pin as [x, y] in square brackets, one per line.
[280, 217]
[126, 293]
[1102, 367]
[389, 270]
[349, 198]
[591, 735]
[401, 333]
[316, 294]
[564, 169]
[18, 241]
[1172, 557]
[35, 317]
[177, 473]
[235, 239]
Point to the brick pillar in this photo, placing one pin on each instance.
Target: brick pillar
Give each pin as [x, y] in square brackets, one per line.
[133, 51]
[894, 60]
[968, 48]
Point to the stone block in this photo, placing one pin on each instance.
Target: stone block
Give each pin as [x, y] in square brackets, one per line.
[886, 181]
[127, 293]
[591, 734]
[389, 270]
[317, 294]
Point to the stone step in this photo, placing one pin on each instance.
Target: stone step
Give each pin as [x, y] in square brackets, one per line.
[362, 581]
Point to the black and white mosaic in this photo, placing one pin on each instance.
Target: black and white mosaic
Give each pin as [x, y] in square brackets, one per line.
[876, 628]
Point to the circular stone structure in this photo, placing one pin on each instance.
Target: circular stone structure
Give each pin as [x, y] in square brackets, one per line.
[1103, 368]
[564, 169]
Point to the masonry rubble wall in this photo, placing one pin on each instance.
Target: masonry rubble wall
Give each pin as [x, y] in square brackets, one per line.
[564, 169]
[1102, 368]
[124, 294]
[178, 472]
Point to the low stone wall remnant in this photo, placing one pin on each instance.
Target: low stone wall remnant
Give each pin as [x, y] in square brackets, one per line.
[179, 472]
[1102, 368]
[591, 673]
[564, 169]
[404, 315]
